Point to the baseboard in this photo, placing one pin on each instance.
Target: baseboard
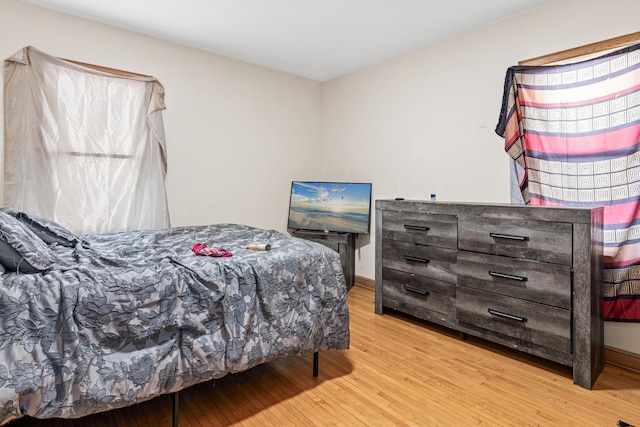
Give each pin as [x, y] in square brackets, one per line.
[364, 282]
[613, 356]
[622, 359]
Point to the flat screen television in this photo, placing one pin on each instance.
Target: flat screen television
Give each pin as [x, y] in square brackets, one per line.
[330, 206]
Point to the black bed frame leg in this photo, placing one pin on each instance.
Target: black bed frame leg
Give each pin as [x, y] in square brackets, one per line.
[176, 408]
[316, 357]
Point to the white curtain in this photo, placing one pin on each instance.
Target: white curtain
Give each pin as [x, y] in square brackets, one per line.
[84, 145]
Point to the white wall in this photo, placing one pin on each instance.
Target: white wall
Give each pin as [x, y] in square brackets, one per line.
[237, 134]
[424, 122]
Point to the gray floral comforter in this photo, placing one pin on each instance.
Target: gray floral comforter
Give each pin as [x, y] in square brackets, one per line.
[124, 317]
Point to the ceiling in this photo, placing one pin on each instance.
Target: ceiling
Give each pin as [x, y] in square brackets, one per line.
[317, 39]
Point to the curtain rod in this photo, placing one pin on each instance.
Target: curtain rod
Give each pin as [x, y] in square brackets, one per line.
[115, 71]
[614, 43]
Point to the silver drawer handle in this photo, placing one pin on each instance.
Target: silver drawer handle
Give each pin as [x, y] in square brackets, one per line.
[416, 227]
[507, 315]
[507, 276]
[415, 290]
[415, 259]
[509, 237]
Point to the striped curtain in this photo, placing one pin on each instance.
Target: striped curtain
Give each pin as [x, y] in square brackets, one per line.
[573, 132]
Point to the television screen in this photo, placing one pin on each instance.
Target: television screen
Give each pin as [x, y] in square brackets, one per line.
[330, 206]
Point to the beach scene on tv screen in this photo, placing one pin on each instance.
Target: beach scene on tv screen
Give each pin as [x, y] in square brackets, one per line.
[330, 206]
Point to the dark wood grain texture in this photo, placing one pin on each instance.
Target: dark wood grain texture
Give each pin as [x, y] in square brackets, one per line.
[527, 277]
[343, 243]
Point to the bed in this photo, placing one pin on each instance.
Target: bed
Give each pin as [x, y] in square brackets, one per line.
[96, 322]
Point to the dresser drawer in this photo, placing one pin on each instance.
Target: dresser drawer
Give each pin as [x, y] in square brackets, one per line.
[535, 323]
[401, 289]
[530, 280]
[527, 277]
[545, 241]
[429, 229]
[428, 261]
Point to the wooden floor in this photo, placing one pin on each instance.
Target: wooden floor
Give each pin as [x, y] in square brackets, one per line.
[397, 372]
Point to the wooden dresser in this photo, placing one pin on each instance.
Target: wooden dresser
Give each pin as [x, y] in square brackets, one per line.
[527, 277]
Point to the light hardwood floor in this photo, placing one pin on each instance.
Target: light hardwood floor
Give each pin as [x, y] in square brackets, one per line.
[398, 372]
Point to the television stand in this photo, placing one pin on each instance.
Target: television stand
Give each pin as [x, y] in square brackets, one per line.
[343, 243]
